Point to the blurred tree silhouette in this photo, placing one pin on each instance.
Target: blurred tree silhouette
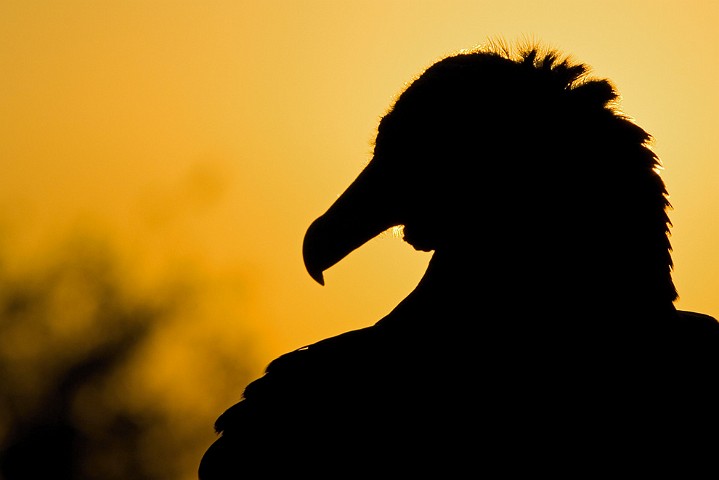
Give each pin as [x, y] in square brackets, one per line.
[101, 381]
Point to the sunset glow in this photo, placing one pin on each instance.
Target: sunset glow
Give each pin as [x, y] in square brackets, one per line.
[195, 142]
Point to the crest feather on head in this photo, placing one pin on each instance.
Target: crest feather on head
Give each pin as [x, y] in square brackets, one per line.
[529, 130]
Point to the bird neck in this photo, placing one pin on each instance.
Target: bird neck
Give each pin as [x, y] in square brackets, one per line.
[465, 288]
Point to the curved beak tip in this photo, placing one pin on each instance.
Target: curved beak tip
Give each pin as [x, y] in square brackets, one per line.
[360, 213]
[317, 276]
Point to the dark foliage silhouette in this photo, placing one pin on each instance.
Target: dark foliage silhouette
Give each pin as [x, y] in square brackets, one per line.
[81, 350]
[543, 333]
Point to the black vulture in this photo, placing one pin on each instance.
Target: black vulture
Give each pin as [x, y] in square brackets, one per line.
[544, 332]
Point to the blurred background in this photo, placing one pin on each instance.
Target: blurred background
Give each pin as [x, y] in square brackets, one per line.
[160, 161]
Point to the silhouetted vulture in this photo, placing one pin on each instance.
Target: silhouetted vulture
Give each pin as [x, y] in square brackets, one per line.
[543, 334]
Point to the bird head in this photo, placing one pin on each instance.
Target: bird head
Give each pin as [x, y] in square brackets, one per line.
[519, 158]
[419, 175]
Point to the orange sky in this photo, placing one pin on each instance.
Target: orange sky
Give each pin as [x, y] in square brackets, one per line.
[213, 132]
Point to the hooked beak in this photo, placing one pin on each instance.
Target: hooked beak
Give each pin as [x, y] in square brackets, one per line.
[361, 213]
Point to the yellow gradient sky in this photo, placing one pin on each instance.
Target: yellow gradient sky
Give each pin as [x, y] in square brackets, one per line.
[213, 132]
